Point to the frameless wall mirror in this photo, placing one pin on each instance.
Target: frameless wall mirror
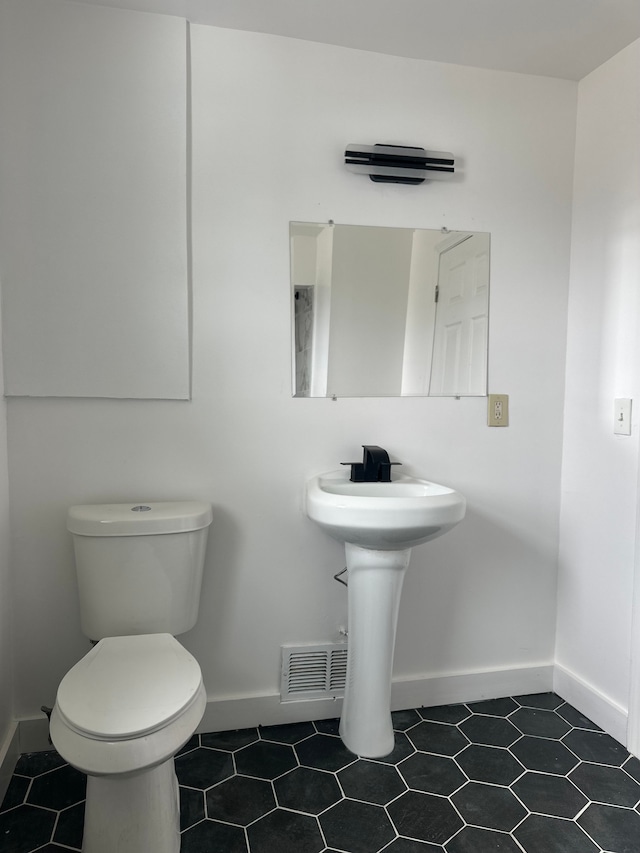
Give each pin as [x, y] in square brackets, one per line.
[388, 312]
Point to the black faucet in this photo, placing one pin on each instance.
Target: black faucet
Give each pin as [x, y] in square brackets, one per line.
[374, 468]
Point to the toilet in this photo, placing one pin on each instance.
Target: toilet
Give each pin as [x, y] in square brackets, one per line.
[125, 709]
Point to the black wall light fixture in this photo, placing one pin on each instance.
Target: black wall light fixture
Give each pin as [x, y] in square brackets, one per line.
[399, 164]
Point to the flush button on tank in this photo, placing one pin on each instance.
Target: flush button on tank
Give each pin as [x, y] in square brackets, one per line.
[140, 508]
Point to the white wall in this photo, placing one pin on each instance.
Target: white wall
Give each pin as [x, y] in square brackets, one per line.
[6, 608]
[369, 293]
[600, 476]
[271, 117]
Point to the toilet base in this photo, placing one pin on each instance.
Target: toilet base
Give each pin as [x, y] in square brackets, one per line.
[134, 813]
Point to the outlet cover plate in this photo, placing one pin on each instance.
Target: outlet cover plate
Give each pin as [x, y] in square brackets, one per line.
[498, 410]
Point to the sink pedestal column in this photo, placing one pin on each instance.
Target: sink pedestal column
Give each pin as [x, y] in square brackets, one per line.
[375, 584]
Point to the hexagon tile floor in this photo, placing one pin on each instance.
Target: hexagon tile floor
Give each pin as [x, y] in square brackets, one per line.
[501, 776]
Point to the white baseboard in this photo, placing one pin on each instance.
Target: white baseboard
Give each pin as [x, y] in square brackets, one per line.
[239, 712]
[244, 712]
[34, 735]
[9, 754]
[591, 702]
[470, 686]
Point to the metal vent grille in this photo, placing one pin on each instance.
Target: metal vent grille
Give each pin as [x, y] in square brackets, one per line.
[313, 672]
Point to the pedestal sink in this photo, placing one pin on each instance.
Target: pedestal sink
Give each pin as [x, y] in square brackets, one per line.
[378, 523]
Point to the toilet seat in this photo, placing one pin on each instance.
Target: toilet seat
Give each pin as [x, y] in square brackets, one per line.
[129, 687]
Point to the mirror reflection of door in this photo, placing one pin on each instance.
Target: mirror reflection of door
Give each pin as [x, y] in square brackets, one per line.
[459, 364]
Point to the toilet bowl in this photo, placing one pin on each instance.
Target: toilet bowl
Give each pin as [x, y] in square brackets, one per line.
[121, 714]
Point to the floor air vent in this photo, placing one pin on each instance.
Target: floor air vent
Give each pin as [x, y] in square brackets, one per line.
[313, 672]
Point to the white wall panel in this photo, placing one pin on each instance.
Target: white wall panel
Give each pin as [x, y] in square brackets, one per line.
[93, 184]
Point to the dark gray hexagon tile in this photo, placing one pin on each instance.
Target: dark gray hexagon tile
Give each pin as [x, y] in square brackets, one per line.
[265, 760]
[191, 807]
[16, 792]
[445, 713]
[70, 827]
[425, 817]
[356, 827]
[488, 806]
[401, 749]
[229, 741]
[371, 782]
[192, 743]
[546, 756]
[439, 738]
[328, 727]
[54, 848]
[209, 836]
[433, 774]
[575, 718]
[551, 795]
[34, 763]
[540, 723]
[409, 845]
[541, 834]
[489, 764]
[58, 788]
[202, 768]
[597, 747]
[632, 767]
[286, 832]
[324, 752]
[288, 733]
[403, 720]
[494, 707]
[490, 731]
[549, 701]
[307, 790]
[240, 800]
[473, 839]
[26, 828]
[610, 785]
[611, 827]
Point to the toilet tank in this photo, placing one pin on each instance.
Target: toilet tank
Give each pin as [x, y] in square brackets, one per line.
[139, 566]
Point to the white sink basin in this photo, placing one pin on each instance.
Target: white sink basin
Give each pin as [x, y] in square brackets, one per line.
[382, 516]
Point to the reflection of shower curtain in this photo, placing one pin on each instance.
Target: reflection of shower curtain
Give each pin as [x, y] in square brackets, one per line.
[303, 326]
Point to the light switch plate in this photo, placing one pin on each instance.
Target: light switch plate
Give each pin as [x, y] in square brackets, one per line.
[498, 410]
[622, 416]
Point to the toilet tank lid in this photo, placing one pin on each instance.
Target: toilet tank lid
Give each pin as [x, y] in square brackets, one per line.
[139, 519]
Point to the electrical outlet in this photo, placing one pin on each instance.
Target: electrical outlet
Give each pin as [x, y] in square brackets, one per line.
[498, 410]
[622, 416]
